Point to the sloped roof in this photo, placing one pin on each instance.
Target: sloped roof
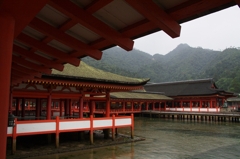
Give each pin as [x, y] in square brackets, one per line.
[185, 88]
[234, 99]
[85, 72]
[139, 95]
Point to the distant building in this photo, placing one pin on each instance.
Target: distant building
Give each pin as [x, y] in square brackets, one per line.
[192, 95]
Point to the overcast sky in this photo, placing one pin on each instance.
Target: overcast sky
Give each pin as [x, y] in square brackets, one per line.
[216, 31]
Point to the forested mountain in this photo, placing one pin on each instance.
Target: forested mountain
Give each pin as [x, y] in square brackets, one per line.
[182, 63]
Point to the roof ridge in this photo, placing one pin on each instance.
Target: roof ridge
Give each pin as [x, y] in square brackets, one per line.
[180, 82]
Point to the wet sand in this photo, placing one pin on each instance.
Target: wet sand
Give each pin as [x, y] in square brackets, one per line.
[26, 150]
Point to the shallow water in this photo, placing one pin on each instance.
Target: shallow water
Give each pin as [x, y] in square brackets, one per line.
[170, 139]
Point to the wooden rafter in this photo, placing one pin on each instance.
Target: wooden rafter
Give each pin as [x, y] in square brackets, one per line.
[31, 55]
[31, 65]
[156, 15]
[178, 13]
[21, 74]
[92, 23]
[61, 36]
[24, 69]
[96, 5]
[23, 11]
[63, 57]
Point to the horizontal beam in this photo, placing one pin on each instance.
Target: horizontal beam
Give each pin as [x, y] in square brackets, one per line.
[96, 5]
[92, 23]
[63, 57]
[24, 69]
[156, 15]
[31, 55]
[31, 65]
[61, 36]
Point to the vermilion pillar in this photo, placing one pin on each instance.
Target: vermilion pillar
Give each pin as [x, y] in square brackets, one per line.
[49, 104]
[81, 107]
[6, 42]
[107, 104]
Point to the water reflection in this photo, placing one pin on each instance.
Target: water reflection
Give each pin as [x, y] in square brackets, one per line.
[170, 139]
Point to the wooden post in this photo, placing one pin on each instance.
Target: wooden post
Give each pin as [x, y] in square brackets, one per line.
[80, 107]
[132, 126]
[23, 108]
[17, 107]
[91, 129]
[6, 42]
[113, 127]
[14, 137]
[57, 132]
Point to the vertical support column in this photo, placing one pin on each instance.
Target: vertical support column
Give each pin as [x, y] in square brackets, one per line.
[70, 107]
[190, 103]
[23, 108]
[107, 131]
[57, 132]
[14, 137]
[164, 105]
[132, 105]
[146, 105]
[113, 127]
[132, 126]
[80, 107]
[10, 101]
[123, 104]
[91, 129]
[6, 42]
[61, 108]
[107, 104]
[49, 104]
[17, 106]
[38, 105]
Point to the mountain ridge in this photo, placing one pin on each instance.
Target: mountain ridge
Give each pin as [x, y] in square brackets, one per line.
[182, 63]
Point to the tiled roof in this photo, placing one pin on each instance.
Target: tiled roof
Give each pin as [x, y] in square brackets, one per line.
[139, 95]
[185, 88]
[85, 72]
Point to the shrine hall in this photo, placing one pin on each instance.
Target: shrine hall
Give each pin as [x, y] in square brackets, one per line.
[200, 95]
[38, 36]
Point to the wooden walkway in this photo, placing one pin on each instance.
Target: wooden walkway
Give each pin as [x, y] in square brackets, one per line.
[221, 116]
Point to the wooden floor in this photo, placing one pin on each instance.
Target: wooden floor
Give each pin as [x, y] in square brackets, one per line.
[221, 116]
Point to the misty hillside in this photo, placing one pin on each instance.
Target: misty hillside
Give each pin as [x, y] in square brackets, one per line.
[182, 63]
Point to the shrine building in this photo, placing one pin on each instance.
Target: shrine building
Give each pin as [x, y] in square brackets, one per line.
[192, 95]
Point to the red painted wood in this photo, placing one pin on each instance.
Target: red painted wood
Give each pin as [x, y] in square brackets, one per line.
[107, 104]
[156, 15]
[24, 69]
[61, 36]
[6, 30]
[92, 23]
[48, 49]
[49, 103]
[96, 5]
[31, 65]
[23, 11]
[31, 55]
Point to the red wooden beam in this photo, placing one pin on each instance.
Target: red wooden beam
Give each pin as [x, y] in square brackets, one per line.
[178, 13]
[21, 74]
[61, 36]
[23, 11]
[96, 5]
[64, 57]
[156, 15]
[31, 65]
[31, 55]
[24, 69]
[92, 23]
